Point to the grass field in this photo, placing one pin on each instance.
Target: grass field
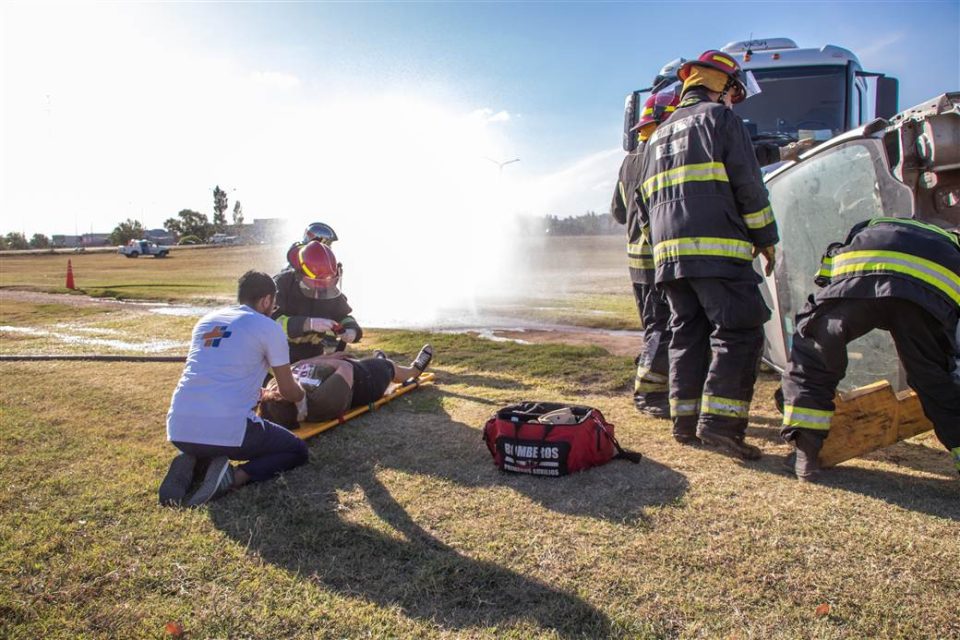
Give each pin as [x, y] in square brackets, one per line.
[580, 281]
[194, 275]
[400, 526]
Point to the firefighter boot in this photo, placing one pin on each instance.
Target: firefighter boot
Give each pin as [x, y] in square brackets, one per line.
[685, 430]
[734, 444]
[804, 460]
[652, 404]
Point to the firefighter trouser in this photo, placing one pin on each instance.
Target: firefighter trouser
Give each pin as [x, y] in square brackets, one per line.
[715, 350]
[651, 383]
[818, 361]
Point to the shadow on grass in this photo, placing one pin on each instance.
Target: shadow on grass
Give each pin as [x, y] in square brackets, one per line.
[933, 496]
[463, 396]
[302, 530]
[479, 380]
[914, 455]
[416, 572]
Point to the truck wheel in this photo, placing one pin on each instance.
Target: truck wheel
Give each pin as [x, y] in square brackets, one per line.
[162, 254]
[135, 254]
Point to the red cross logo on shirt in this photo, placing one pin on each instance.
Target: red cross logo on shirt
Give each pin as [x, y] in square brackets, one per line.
[213, 337]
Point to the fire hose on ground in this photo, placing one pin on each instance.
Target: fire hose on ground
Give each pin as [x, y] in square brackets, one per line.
[87, 357]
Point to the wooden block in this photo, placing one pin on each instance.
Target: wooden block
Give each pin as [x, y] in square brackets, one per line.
[871, 418]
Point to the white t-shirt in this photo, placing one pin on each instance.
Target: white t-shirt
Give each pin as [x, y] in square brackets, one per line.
[230, 353]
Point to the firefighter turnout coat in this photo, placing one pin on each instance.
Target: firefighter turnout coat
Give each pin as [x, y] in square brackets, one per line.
[896, 258]
[702, 199]
[623, 208]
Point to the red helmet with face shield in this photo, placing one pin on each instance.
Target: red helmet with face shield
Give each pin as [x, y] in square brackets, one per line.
[658, 108]
[318, 268]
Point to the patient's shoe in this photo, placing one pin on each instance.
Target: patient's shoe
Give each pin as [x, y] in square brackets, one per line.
[423, 358]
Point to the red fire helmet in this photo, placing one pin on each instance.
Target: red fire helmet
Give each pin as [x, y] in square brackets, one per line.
[715, 59]
[317, 266]
[658, 108]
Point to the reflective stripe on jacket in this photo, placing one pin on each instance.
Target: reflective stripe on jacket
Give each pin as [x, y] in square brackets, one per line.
[624, 210]
[701, 195]
[896, 257]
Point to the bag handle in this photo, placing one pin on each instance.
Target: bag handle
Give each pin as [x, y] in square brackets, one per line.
[626, 454]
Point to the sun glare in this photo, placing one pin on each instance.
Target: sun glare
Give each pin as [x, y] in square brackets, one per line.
[419, 207]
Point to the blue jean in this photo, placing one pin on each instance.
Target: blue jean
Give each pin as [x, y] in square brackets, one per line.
[268, 449]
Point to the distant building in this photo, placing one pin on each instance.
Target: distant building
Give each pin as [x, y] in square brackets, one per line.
[65, 241]
[95, 239]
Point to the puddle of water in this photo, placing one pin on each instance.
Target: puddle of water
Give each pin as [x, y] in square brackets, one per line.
[491, 334]
[162, 308]
[180, 311]
[93, 330]
[154, 346]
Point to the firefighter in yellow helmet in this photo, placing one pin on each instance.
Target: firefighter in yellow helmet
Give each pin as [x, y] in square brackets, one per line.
[703, 203]
[650, 384]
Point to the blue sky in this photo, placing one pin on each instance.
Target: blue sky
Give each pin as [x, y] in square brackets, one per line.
[547, 80]
[567, 66]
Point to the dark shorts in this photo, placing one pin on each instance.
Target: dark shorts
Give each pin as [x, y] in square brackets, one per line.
[371, 377]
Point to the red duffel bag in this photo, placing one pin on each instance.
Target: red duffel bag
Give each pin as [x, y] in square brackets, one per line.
[551, 439]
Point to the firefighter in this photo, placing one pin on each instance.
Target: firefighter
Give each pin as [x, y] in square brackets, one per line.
[319, 232]
[650, 384]
[895, 274]
[704, 207]
[315, 232]
[310, 305]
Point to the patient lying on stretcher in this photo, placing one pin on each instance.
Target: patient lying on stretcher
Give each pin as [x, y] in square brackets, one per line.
[336, 383]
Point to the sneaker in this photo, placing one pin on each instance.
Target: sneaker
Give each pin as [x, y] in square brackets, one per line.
[731, 444]
[423, 358]
[175, 484]
[377, 353]
[216, 482]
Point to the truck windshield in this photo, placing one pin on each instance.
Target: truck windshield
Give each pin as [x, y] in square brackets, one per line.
[796, 98]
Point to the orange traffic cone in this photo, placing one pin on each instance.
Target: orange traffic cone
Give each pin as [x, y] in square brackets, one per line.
[70, 283]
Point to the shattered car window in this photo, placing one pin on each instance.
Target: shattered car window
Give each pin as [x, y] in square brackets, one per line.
[816, 203]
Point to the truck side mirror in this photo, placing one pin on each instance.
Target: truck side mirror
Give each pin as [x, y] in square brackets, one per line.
[631, 115]
[888, 103]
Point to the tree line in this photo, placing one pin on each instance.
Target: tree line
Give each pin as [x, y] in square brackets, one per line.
[587, 224]
[185, 224]
[189, 224]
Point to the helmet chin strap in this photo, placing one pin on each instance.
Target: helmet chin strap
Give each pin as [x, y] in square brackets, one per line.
[726, 90]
